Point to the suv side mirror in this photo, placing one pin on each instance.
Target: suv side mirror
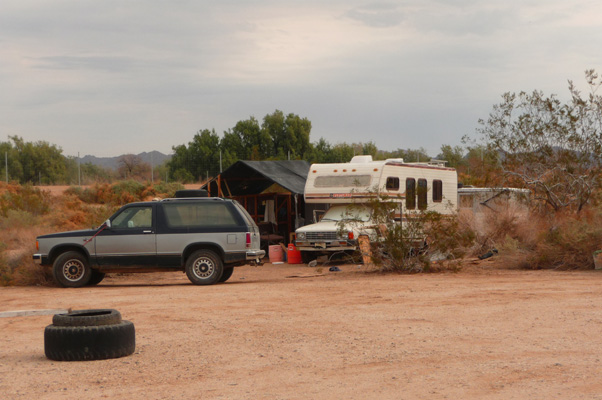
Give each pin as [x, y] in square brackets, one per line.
[108, 224]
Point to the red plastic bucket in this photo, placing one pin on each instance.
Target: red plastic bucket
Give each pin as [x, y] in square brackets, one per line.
[293, 255]
[276, 253]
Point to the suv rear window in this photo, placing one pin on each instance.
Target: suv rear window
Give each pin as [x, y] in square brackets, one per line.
[195, 214]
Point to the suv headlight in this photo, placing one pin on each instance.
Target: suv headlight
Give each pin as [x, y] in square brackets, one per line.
[301, 235]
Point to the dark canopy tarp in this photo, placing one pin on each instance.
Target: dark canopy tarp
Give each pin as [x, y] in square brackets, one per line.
[253, 177]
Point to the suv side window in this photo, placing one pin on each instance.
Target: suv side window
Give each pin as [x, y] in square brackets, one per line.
[198, 214]
[134, 217]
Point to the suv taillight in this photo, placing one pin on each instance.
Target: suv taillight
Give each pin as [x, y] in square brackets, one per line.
[248, 240]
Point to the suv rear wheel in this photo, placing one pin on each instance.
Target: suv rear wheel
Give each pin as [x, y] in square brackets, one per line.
[71, 269]
[204, 267]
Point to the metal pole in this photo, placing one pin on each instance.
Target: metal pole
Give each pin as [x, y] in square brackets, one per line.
[79, 171]
[152, 172]
[6, 164]
[220, 161]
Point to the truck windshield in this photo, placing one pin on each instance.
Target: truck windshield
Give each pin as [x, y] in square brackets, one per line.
[347, 212]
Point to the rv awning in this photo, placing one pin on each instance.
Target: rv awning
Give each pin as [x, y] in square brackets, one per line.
[253, 177]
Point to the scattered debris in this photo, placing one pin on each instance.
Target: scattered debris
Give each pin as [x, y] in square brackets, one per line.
[490, 253]
[28, 313]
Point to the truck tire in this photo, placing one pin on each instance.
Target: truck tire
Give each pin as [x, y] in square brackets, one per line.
[96, 277]
[83, 343]
[204, 267]
[226, 274]
[71, 269]
[98, 317]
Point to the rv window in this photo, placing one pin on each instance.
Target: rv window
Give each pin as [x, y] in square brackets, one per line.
[422, 194]
[437, 191]
[392, 183]
[342, 181]
[410, 193]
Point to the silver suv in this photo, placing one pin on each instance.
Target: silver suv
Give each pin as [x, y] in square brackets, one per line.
[205, 237]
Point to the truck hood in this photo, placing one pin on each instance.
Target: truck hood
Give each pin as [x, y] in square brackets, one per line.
[79, 233]
[333, 226]
[324, 226]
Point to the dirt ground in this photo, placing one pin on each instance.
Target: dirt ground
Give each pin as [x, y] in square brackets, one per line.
[294, 332]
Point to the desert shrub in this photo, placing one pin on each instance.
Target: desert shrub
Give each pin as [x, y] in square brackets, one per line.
[494, 227]
[570, 241]
[118, 193]
[5, 272]
[530, 239]
[71, 213]
[128, 191]
[18, 219]
[162, 189]
[87, 195]
[19, 270]
[418, 241]
[25, 198]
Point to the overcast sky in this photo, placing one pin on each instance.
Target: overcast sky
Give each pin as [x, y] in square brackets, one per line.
[113, 77]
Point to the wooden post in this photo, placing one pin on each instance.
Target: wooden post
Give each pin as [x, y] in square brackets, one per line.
[364, 243]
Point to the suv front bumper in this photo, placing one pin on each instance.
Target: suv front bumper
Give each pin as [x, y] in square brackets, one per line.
[40, 259]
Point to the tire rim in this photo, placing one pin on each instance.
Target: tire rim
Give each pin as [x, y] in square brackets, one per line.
[203, 268]
[73, 270]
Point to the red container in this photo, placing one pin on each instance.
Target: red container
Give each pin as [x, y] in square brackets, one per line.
[275, 253]
[293, 255]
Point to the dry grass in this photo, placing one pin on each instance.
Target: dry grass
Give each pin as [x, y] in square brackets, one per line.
[530, 239]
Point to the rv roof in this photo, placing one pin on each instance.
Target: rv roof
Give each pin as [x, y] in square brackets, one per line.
[361, 159]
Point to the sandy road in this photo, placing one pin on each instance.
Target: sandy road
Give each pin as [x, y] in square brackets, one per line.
[276, 332]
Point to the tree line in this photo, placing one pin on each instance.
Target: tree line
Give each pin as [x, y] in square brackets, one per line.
[529, 139]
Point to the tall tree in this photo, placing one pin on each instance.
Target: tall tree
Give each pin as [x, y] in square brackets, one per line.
[35, 162]
[131, 166]
[198, 160]
[551, 147]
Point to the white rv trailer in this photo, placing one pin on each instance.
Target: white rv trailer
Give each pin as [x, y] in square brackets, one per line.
[417, 186]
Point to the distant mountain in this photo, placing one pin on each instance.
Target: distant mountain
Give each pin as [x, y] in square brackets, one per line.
[154, 158]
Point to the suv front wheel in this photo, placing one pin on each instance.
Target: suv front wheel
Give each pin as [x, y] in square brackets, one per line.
[204, 267]
[71, 269]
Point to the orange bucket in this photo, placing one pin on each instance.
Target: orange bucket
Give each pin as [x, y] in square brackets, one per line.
[293, 255]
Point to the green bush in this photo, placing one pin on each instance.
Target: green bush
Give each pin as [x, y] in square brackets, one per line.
[25, 198]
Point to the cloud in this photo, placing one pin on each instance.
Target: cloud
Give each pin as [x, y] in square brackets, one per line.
[406, 73]
[378, 15]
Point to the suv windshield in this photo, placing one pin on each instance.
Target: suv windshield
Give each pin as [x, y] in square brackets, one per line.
[134, 217]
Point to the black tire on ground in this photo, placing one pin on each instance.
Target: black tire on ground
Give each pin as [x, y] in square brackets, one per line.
[226, 274]
[204, 267]
[96, 277]
[98, 317]
[83, 343]
[71, 269]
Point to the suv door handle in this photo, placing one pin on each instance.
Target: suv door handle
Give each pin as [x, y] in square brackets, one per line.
[147, 231]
